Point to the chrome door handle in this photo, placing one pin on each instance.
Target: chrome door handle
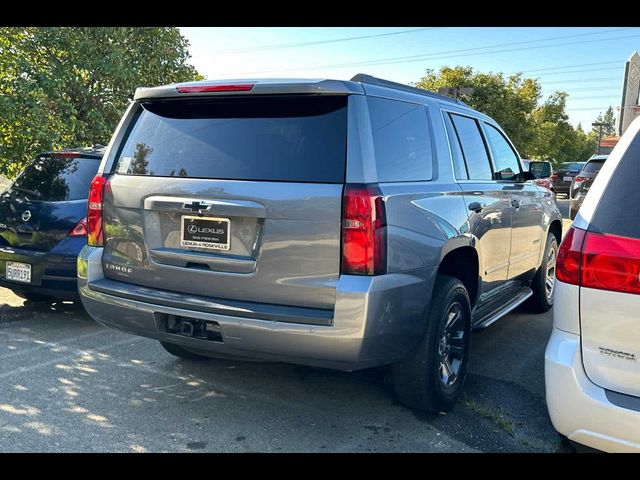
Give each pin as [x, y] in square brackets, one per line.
[515, 203]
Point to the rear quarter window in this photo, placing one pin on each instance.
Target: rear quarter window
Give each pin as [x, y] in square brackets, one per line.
[401, 140]
[617, 212]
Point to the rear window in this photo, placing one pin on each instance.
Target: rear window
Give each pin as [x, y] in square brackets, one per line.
[56, 179]
[294, 139]
[593, 167]
[617, 211]
[574, 167]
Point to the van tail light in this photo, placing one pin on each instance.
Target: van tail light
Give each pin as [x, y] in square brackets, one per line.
[600, 261]
[610, 262]
[570, 256]
[94, 211]
[80, 230]
[580, 179]
[554, 177]
[364, 233]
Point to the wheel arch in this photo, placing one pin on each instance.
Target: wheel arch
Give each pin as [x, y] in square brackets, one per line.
[460, 259]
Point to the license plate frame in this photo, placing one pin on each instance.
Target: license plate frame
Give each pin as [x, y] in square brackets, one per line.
[18, 272]
[218, 238]
[567, 179]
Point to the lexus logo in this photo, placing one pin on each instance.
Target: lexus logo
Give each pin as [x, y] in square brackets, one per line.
[192, 229]
[26, 215]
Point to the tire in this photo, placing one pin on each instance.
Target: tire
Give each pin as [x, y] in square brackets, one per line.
[542, 298]
[178, 351]
[417, 381]
[33, 297]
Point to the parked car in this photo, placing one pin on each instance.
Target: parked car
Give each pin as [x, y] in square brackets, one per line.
[42, 225]
[341, 224]
[541, 171]
[592, 371]
[582, 183]
[563, 176]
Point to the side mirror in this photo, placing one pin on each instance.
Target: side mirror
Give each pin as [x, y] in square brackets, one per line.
[540, 169]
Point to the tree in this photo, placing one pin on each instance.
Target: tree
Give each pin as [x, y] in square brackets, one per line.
[63, 87]
[609, 120]
[538, 129]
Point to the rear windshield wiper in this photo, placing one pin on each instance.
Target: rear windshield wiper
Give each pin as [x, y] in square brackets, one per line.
[27, 191]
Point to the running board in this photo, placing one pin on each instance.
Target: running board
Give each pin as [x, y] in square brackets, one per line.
[519, 296]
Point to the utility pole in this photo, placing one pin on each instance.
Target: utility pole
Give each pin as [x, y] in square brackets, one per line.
[456, 92]
[599, 125]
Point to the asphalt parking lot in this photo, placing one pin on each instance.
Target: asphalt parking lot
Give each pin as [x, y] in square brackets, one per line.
[69, 384]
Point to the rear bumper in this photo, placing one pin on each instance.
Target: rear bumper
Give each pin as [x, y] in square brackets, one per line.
[376, 321]
[53, 273]
[581, 410]
[561, 187]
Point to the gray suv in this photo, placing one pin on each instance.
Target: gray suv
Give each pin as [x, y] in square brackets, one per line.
[340, 224]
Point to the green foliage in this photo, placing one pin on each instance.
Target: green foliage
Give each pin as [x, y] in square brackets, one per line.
[609, 120]
[62, 87]
[539, 129]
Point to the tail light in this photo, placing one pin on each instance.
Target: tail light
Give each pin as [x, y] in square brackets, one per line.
[94, 211]
[610, 262]
[554, 177]
[600, 261]
[364, 236]
[80, 230]
[580, 179]
[232, 87]
[569, 257]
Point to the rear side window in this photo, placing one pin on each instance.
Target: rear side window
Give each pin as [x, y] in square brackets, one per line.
[459, 168]
[401, 140]
[473, 149]
[505, 159]
[593, 167]
[56, 179]
[292, 139]
[617, 211]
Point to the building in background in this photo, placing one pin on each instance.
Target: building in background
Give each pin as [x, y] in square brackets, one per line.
[630, 105]
[607, 144]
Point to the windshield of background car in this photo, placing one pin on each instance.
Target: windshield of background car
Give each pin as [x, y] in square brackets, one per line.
[55, 179]
[593, 166]
[571, 166]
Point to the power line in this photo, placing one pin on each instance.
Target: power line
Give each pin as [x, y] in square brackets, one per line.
[591, 97]
[319, 42]
[584, 80]
[573, 71]
[568, 66]
[586, 89]
[417, 58]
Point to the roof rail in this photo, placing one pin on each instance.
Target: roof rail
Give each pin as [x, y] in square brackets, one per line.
[364, 78]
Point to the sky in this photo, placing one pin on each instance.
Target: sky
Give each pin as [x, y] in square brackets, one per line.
[586, 62]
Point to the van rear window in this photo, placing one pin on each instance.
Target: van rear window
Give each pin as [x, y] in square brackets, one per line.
[290, 139]
[617, 211]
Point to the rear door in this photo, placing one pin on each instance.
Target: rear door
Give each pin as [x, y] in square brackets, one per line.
[46, 201]
[235, 198]
[609, 309]
[488, 202]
